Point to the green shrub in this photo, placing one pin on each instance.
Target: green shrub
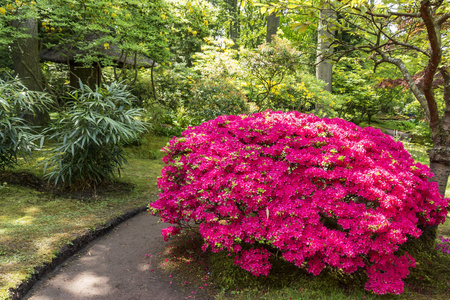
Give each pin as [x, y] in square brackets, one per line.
[422, 133]
[212, 98]
[17, 139]
[90, 134]
[267, 67]
[304, 93]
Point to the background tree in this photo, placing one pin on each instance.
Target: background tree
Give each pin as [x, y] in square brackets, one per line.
[20, 24]
[273, 21]
[324, 69]
[91, 33]
[389, 29]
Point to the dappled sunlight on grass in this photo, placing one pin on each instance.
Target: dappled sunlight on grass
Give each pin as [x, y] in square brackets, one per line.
[444, 229]
[34, 225]
[26, 220]
[418, 152]
[32, 210]
[45, 247]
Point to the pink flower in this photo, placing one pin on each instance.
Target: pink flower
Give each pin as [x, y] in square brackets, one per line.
[169, 231]
[319, 191]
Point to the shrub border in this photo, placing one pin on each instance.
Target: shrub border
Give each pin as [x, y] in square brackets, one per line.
[69, 250]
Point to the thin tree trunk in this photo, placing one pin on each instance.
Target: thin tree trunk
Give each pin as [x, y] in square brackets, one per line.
[153, 82]
[324, 70]
[234, 24]
[26, 59]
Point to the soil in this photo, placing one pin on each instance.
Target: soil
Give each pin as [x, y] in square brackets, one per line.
[78, 192]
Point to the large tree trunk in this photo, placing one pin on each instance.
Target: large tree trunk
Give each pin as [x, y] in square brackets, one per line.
[440, 157]
[273, 21]
[26, 59]
[324, 70]
[440, 154]
[439, 165]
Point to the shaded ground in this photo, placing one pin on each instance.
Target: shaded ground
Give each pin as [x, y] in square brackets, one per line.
[78, 192]
[124, 264]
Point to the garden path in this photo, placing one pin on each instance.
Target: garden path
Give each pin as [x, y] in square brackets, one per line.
[120, 265]
[399, 134]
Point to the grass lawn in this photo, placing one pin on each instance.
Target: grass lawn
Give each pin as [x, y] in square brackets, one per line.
[34, 225]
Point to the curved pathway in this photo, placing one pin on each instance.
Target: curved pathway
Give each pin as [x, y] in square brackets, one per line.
[398, 134]
[116, 266]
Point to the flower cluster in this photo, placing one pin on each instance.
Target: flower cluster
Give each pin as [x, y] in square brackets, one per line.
[443, 245]
[319, 191]
[169, 231]
[256, 261]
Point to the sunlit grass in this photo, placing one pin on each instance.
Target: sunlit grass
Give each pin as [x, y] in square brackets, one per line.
[35, 225]
[418, 152]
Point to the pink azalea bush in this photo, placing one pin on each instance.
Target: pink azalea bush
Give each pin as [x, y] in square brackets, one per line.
[319, 191]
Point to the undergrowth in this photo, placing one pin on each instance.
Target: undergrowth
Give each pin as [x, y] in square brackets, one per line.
[217, 275]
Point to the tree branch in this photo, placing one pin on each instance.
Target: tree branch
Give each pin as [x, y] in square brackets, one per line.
[395, 41]
[443, 18]
[408, 78]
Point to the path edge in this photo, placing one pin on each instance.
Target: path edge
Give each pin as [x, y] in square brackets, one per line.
[69, 250]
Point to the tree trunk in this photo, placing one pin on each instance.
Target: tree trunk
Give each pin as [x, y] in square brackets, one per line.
[440, 157]
[234, 24]
[439, 166]
[440, 154]
[273, 21]
[324, 70]
[26, 59]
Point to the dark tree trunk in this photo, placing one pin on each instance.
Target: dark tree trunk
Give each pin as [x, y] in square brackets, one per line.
[26, 59]
[91, 76]
[440, 154]
[439, 165]
[273, 21]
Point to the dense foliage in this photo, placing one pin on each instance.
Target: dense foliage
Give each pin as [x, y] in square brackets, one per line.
[17, 138]
[213, 98]
[318, 191]
[90, 134]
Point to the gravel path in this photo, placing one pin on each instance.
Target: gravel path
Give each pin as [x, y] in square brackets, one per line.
[398, 134]
[116, 266]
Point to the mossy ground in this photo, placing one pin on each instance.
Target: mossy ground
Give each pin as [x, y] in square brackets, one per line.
[35, 222]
